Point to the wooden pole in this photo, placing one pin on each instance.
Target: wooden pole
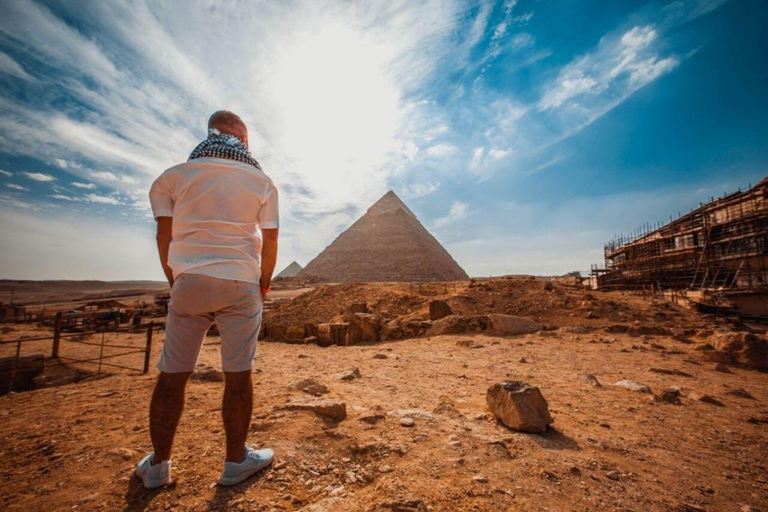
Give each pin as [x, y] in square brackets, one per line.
[148, 350]
[56, 334]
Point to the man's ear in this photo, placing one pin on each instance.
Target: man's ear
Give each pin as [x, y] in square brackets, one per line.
[245, 140]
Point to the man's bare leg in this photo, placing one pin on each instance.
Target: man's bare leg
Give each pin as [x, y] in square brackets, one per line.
[236, 410]
[165, 412]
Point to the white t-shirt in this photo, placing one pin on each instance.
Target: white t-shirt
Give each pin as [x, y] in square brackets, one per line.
[217, 206]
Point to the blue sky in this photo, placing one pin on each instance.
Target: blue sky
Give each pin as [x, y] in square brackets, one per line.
[523, 134]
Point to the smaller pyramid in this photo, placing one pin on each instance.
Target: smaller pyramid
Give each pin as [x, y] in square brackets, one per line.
[289, 271]
[388, 243]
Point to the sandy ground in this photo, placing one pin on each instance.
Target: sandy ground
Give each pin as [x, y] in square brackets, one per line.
[75, 447]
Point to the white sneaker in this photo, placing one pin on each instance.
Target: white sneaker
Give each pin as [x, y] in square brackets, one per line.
[255, 461]
[154, 476]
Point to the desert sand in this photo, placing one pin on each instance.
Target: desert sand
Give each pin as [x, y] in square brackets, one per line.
[74, 447]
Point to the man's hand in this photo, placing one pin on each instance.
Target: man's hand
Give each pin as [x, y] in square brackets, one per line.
[164, 237]
[268, 258]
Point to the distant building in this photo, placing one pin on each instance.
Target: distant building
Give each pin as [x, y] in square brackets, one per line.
[723, 245]
[12, 311]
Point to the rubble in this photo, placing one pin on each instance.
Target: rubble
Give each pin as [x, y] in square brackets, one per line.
[744, 348]
[508, 325]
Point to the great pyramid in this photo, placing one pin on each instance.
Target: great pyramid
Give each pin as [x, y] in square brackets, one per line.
[388, 243]
[289, 271]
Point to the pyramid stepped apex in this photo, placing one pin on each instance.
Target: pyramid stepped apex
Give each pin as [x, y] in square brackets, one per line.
[388, 243]
[389, 202]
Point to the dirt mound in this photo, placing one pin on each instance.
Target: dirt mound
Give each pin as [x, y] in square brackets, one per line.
[535, 298]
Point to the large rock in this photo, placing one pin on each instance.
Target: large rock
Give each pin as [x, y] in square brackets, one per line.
[519, 406]
[633, 386]
[439, 309]
[330, 409]
[451, 324]
[26, 368]
[363, 327]
[746, 348]
[508, 325]
[275, 332]
[332, 334]
[358, 307]
[295, 332]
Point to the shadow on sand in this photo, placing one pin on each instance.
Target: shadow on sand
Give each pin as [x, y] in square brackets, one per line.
[553, 439]
[137, 498]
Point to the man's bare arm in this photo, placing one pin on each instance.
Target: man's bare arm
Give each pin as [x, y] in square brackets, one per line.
[268, 256]
[164, 237]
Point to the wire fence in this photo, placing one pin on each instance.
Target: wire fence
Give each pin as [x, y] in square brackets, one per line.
[57, 359]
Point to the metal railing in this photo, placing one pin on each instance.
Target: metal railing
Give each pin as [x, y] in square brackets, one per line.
[60, 360]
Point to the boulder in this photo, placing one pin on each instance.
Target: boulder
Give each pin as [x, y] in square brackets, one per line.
[745, 348]
[451, 324]
[275, 332]
[633, 386]
[312, 387]
[519, 406]
[26, 368]
[332, 334]
[295, 332]
[358, 307]
[508, 325]
[439, 309]
[363, 327]
[716, 356]
[330, 409]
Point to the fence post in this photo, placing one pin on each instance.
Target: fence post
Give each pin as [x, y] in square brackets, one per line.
[56, 334]
[148, 350]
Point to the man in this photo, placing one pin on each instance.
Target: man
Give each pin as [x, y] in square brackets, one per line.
[208, 211]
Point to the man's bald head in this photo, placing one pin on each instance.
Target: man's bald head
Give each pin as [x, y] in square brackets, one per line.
[229, 122]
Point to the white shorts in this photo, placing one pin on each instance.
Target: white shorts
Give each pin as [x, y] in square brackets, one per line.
[196, 302]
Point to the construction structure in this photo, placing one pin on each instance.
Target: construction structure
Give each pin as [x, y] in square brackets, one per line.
[722, 245]
[388, 243]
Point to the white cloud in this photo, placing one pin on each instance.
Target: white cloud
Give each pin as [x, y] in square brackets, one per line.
[458, 210]
[442, 150]
[498, 154]
[6, 173]
[16, 187]
[95, 198]
[38, 176]
[410, 150]
[63, 197]
[477, 158]
[619, 66]
[11, 67]
[88, 186]
[417, 190]
[65, 164]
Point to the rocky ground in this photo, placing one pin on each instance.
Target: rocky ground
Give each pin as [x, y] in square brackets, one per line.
[417, 433]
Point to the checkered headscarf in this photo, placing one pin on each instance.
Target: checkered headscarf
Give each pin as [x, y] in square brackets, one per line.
[223, 145]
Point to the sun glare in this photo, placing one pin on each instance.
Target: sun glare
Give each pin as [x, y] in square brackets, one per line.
[338, 109]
